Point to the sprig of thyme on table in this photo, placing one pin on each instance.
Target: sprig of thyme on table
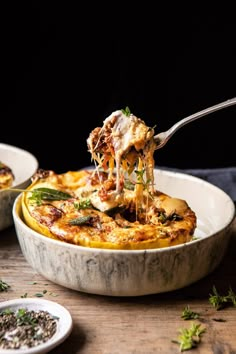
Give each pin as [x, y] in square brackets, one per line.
[220, 301]
[190, 337]
[188, 314]
[4, 286]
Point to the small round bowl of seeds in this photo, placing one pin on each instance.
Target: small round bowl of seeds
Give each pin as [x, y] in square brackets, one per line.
[17, 166]
[31, 326]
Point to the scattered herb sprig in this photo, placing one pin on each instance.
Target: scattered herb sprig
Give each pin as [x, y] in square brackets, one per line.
[188, 314]
[141, 180]
[4, 286]
[190, 337]
[220, 301]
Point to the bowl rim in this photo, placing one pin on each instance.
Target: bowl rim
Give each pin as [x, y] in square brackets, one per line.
[227, 224]
[24, 152]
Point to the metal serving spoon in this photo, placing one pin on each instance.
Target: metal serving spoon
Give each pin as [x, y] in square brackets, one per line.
[162, 138]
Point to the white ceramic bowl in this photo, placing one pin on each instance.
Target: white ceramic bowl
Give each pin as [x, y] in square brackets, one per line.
[138, 272]
[23, 165]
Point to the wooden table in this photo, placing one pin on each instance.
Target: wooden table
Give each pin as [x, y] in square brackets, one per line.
[129, 325]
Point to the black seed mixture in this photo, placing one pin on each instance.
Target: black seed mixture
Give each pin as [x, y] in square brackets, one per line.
[25, 329]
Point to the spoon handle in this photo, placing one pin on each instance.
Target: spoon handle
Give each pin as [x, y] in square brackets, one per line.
[162, 138]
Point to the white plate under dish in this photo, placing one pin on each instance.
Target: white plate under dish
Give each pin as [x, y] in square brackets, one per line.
[64, 323]
[138, 272]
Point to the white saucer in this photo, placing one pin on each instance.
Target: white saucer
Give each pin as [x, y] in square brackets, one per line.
[64, 324]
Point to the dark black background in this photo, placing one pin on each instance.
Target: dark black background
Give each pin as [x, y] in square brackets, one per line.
[65, 69]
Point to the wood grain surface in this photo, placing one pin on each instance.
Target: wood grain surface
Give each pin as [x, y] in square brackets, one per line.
[129, 325]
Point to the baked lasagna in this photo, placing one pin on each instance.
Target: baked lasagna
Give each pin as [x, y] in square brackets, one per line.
[115, 205]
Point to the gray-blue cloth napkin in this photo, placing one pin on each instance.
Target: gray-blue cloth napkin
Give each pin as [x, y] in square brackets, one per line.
[224, 178]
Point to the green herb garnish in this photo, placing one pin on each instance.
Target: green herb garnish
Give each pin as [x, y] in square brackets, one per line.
[25, 295]
[163, 218]
[216, 300]
[220, 301]
[126, 111]
[4, 286]
[81, 220]
[231, 297]
[6, 312]
[188, 314]
[40, 194]
[141, 180]
[24, 318]
[190, 338]
[129, 185]
[83, 204]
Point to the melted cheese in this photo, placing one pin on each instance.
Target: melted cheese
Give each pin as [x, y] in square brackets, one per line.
[126, 143]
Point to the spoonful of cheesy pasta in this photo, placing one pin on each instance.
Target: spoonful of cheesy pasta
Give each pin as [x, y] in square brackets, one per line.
[125, 146]
[124, 143]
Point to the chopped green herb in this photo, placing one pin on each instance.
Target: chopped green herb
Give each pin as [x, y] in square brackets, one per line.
[38, 295]
[126, 111]
[218, 301]
[163, 218]
[83, 204]
[25, 295]
[24, 318]
[129, 185]
[4, 286]
[141, 180]
[6, 312]
[188, 314]
[53, 294]
[190, 338]
[231, 297]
